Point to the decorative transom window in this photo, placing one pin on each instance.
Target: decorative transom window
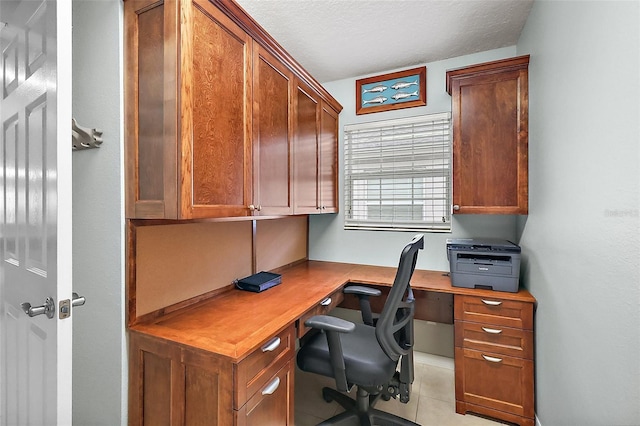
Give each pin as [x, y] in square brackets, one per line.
[398, 174]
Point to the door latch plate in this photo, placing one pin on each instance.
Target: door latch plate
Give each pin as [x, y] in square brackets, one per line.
[65, 309]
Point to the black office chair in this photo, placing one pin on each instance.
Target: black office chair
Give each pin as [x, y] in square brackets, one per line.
[366, 355]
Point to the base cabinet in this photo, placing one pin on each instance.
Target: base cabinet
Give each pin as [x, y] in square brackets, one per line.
[171, 385]
[494, 366]
[174, 385]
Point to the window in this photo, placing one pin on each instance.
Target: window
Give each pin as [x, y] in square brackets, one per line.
[398, 174]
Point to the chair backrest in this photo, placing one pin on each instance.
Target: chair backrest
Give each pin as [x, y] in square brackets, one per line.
[394, 329]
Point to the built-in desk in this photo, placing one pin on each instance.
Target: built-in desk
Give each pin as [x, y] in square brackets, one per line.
[230, 359]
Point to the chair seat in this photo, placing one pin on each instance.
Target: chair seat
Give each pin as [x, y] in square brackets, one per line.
[365, 362]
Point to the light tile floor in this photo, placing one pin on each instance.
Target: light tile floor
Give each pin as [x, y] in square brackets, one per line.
[432, 397]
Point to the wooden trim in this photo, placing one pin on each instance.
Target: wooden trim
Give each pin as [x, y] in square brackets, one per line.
[517, 63]
[130, 288]
[171, 129]
[185, 110]
[254, 249]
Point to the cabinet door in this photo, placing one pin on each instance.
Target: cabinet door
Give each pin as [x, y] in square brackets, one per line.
[490, 138]
[272, 160]
[328, 160]
[215, 114]
[491, 384]
[150, 110]
[207, 389]
[172, 386]
[305, 181]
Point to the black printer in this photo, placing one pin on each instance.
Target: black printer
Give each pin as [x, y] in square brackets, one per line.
[491, 264]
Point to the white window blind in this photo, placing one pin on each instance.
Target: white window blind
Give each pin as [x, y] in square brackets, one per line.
[398, 174]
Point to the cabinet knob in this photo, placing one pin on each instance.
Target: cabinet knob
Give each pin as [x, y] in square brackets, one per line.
[259, 207]
[252, 207]
[456, 207]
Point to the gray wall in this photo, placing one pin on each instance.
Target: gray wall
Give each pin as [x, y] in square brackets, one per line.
[99, 349]
[327, 238]
[581, 239]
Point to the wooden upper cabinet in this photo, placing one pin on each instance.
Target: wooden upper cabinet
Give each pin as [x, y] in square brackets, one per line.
[188, 116]
[305, 142]
[315, 154]
[209, 100]
[490, 111]
[328, 160]
[215, 117]
[272, 124]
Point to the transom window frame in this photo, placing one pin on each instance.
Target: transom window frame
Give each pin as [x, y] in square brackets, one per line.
[398, 174]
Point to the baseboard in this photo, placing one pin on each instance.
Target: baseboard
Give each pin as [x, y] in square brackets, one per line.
[433, 360]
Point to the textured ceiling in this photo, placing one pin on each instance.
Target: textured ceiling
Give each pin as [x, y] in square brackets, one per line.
[336, 39]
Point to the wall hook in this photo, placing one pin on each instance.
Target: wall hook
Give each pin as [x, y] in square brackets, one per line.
[84, 137]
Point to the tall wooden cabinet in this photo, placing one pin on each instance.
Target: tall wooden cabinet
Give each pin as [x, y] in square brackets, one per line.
[490, 112]
[209, 106]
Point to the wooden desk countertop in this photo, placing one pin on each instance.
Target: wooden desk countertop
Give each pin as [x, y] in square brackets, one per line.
[234, 323]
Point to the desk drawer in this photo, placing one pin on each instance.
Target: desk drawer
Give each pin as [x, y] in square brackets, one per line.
[254, 371]
[494, 381]
[325, 306]
[513, 342]
[272, 404]
[494, 311]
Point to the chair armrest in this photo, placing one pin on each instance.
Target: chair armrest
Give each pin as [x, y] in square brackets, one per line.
[333, 327]
[361, 290]
[363, 294]
[329, 323]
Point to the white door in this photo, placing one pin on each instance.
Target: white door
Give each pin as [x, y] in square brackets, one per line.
[35, 211]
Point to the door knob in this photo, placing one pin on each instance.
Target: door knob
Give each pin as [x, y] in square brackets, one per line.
[77, 300]
[49, 308]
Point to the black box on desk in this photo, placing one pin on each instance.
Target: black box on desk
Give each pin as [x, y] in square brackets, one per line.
[484, 263]
[259, 282]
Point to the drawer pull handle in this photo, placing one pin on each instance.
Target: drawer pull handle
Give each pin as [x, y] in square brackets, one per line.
[491, 330]
[491, 302]
[326, 302]
[271, 387]
[272, 345]
[491, 359]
